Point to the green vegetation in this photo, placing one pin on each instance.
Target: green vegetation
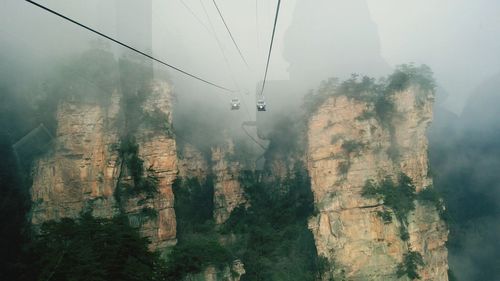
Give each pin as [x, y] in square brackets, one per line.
[193, 205]
[85, 248]
[399, 197]
[90, 248]
[407, 74]
[385, 215]
[376, 93]
[14, 204]
[194, 256]
[135, 81]
[149, 212]
[451, 276]
[353, 147]
[343, 167]
[363, 88]
[431, 196]
[273, 241]
[158, 121]
[198, 244]
[409, 267]
[313, 100]
[143, 184]
[323, 266]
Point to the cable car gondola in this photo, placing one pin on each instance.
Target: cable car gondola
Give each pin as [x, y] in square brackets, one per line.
[235, 104]
[261, 105]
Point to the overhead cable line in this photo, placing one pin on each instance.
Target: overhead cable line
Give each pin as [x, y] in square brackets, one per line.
[225, 57]
[230, 34]
[194, 15]
[219, 44]
[129, 47]
[252, 138]
[270, 48]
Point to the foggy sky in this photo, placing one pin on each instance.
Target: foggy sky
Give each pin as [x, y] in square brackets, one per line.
[457, 38]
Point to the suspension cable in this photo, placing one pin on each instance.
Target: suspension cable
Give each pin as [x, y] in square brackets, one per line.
[225, 58]
[230, 34]
[270, 48]
[129, 47]
[195, 16]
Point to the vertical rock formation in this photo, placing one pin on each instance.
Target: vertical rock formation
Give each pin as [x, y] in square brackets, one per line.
[348, 229]
[228, 194]
[157, 148]
[192, 163]
[84, 170]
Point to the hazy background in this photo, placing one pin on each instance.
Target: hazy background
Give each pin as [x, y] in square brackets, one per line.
[458, 39]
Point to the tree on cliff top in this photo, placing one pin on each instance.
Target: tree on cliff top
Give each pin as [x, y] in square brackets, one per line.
[368, 89]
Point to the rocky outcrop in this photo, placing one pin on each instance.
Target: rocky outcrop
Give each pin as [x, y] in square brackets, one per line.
[228, 193]
[347, 229]
[192, 163]
[84, 169]
[157, 148]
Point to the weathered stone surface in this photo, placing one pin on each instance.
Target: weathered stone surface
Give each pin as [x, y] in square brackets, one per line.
[158, 150]
[347, 229]
[83, 170]
[192, 163]
[228, 193]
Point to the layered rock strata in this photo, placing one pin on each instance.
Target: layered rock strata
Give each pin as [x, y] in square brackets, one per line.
[348, 229]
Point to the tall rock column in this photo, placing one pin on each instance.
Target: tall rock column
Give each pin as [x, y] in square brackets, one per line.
[157, 148]
[81, 172]
[347, 147]
[84, 168]
[228, 193]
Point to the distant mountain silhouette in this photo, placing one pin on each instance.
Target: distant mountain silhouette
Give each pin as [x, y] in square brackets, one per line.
[332, 38]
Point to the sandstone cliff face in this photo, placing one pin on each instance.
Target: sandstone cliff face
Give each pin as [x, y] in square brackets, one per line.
[157, 149]
[83, 170]
[192, 163]
[347, 229]
[228, 193]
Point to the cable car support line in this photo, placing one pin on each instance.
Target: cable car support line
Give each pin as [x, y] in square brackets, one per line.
[270, 48]
[129, 47]
[214, 33]
[230, 34]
